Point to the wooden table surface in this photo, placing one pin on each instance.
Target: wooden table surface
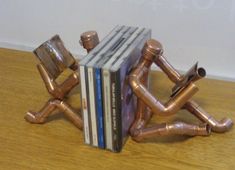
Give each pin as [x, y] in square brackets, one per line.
[58, 144]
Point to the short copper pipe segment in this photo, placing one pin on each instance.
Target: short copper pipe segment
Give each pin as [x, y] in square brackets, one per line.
[217, 126]
[50, 106]
[89, 40]
[177, 128]
[200, 73]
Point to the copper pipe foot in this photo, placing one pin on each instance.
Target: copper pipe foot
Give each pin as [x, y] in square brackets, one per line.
[217, 126]
[34, 117]
[223, 125]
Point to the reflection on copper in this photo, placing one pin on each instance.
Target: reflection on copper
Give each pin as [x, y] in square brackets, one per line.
[54, 59]
[50, 106]
[177, 128]
[89, 40]
[180, 98]
[217, 126]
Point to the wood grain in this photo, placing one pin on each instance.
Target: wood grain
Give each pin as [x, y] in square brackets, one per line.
[59, 145]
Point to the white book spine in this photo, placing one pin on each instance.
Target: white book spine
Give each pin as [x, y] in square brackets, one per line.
[107, 108]
[92, 106]
[84, 104]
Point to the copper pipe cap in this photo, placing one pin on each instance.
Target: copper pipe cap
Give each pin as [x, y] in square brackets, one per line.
[89, 39]
[152, 48]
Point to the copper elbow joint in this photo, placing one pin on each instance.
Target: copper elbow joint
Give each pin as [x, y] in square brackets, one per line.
[217, 126]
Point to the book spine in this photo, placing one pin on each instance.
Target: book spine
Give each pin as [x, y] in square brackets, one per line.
[92, 105]
[84, 104]
[116, 111]
[107, 109]
[99, 108]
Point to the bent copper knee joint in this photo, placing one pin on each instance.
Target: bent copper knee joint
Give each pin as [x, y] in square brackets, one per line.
[54, 59]
[181, 96]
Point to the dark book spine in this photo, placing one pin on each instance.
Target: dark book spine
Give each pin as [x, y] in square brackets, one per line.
[116, 111]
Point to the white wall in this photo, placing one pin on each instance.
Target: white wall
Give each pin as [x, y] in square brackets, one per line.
[190, 30]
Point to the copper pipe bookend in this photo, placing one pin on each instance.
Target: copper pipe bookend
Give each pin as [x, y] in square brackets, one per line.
[54, 59]
[180, 98]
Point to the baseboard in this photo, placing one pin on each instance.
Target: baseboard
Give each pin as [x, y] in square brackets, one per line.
[16, 46]
[77, 55]
[29, 48]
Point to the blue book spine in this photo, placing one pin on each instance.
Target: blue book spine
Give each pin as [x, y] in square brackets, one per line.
[100, 122]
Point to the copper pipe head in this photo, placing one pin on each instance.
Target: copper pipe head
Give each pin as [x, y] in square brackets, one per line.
[89, 40]
[152, 48]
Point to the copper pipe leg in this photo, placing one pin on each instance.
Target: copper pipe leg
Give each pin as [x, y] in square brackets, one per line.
[143, 115]
[177, 128]
[71, 114]
[51, 105]
[40, 117]
[217, 126]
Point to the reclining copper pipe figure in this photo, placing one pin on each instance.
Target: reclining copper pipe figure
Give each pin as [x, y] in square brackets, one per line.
[54, 59]
[180, 99]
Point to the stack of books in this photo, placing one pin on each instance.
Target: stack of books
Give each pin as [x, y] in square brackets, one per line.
[108, 104]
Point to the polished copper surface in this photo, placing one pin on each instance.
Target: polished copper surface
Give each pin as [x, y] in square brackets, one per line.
[176, 128]
[54, 56]
[181, 96]
[217, 126]
[54, 59]
[89, 40]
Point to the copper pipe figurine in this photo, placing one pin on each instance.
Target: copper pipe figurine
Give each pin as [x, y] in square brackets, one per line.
[180, 98]
[54, 59]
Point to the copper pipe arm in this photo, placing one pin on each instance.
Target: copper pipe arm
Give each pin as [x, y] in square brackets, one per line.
[171, 107]
[58, 91]
[168, 69]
